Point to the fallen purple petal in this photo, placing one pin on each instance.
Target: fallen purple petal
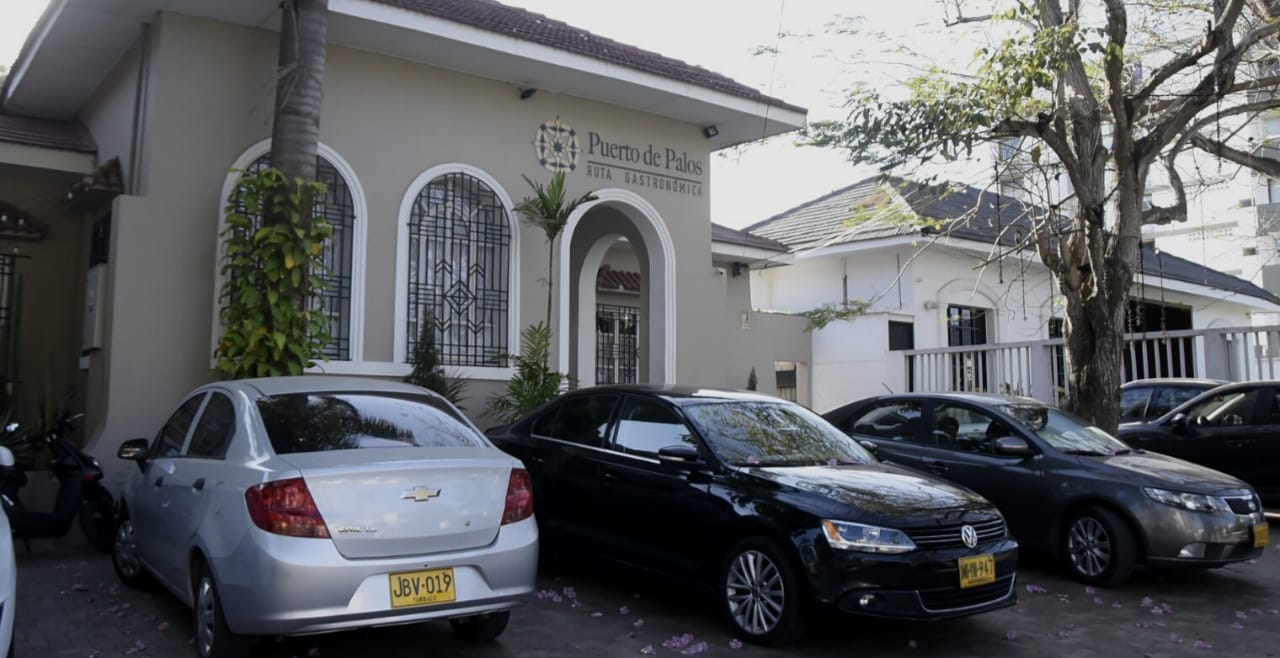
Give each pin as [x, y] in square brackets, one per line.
[624, 610]
[1036, 589]
[1117, 605]
[1098, 600]
[1238, 626]
[735, 643]
[1157, 611]
[576, 604]
[648, 650]
[1090, 590]
[678, 641]
[1175, 638]
[570, 592]
[1147, 602]
[1011, 635]
[1201, 644]
[595, 614]
[1241, 614]
[695, 649]
[1255, 611]
[639, 623]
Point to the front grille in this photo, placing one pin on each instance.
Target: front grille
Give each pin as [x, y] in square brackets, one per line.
[954, 598]
[948, 536]
[1244, 504]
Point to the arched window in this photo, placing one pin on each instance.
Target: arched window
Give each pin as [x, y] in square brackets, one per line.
[338, 208]
[459, 255]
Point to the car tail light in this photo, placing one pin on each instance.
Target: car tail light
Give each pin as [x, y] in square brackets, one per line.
[519, 497]
[285, 507]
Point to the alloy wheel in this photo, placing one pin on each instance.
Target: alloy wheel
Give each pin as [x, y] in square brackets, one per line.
[206, 615]
[126, 551]
[1089, 546]
[755, 592]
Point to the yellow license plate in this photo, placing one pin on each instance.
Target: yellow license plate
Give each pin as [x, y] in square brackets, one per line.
[1261, 535]
[427, 587]
[977, 570]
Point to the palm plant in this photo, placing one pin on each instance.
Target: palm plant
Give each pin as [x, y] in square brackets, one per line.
[533, 382]
[548, 210]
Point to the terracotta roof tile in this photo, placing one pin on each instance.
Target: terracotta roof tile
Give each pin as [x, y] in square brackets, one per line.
[610, 279]
[45, 133]
[528, 26]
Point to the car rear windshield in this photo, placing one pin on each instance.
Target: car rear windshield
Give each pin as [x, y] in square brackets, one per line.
[315, 422]
[759, 433]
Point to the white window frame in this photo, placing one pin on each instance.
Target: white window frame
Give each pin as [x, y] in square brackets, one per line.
[401, 338]
[354, 363]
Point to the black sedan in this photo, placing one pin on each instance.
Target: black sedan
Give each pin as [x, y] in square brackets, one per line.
[1067, 487]
[761, 500]
[1147, 399]
[1234, 429]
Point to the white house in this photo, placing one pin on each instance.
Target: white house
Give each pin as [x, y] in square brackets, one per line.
[938, 267]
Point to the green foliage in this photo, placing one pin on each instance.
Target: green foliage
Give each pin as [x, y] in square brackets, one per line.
[826, 314]
[272, 274]
[427, 371]
[548, 210]
[534, 383]
[751, 379]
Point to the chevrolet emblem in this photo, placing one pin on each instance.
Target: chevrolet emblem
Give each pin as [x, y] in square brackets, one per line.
[420, 494]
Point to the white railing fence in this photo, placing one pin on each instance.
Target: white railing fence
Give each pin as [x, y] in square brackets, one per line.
[1036, 368]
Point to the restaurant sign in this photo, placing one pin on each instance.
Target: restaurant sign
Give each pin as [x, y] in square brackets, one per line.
[558, 148]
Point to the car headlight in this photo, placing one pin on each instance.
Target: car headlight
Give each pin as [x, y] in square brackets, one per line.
[1188, 501]
[869, 538]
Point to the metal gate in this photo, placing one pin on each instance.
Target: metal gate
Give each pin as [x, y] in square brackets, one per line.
[617, 347]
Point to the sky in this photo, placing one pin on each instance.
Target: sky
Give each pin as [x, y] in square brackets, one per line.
[812, 68]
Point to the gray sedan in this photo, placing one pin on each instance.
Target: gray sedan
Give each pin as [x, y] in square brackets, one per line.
[299, 505]
[1066, 487]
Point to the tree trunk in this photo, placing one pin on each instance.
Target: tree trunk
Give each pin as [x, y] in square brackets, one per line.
[551, 274]
[1094, 340]
[295, 131]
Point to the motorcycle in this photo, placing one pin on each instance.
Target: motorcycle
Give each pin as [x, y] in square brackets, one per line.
[80, 491]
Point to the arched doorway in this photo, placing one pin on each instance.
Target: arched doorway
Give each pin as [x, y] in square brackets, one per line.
[618, 220]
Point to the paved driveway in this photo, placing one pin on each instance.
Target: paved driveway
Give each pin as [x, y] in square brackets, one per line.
[69, 604]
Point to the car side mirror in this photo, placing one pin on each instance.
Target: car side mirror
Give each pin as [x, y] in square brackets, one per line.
[871, 447]
[1178, 422]
[134, 450]
[1013, 447]
[6, 457]
[680, 454]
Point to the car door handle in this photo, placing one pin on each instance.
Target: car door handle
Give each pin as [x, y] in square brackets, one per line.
[159, 481]
[1238, 443]
[935, 466]
[198, 484]
[609, 475]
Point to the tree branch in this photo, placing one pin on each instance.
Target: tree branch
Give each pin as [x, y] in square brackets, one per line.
[1263, 165]
[1212, 37]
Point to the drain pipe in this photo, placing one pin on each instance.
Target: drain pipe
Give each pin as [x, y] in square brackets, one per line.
[140, 95]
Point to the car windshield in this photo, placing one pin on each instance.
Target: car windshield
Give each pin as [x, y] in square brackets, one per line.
[764, 433]
[1066, 432]
[314, 422]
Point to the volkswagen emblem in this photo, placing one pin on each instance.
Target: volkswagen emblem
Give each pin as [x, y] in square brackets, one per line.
[969, 536]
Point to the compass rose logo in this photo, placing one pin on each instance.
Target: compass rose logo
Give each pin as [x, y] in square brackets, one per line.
[556, 146]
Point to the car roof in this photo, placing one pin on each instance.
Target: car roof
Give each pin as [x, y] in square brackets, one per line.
[268, 386]
[680, 394]
[1166, 381]
[971, 397]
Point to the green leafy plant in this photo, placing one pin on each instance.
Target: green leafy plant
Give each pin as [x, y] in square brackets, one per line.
[272, 273]
[751, 379]
[533, 383]
[548, 210]
[824, 315]
[427, 371]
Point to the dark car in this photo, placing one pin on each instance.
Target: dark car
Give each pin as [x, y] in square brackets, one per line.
[1147, 399]
[1066, 487]
[1234, 429]
[761, 500]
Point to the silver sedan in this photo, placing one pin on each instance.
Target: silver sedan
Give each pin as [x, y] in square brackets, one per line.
[299, 505]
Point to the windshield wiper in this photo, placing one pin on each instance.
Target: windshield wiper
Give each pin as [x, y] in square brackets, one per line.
[1096, 453]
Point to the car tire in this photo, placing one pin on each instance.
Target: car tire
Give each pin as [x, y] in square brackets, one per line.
[760, 593]
[480, 628]
[213, 638]
[124, 555]
[1099, 547]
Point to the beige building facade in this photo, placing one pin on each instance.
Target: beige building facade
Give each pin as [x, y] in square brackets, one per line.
[429, 127]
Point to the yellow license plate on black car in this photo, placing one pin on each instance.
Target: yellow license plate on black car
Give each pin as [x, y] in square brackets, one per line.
[426, 587]
[1261, 535]
[977, 570]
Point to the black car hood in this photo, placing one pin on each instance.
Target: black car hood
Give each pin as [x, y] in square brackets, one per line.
[884, 494]
[1157, 470]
